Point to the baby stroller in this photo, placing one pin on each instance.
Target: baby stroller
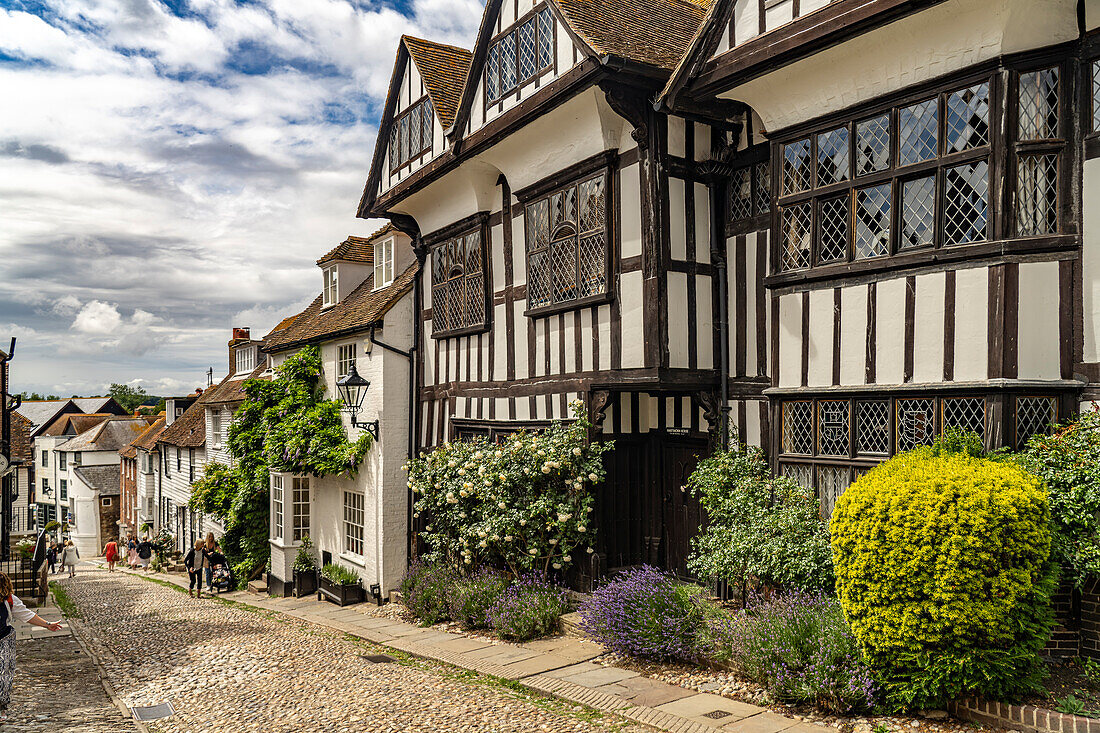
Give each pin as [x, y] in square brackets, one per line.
[223, 575]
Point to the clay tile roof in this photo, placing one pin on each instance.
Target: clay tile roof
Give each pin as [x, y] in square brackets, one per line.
[232, 390]
[356, 249]
[653, 32]
[75, 423]
[21, 444]
[444, 69]
[357, 311]
[189, 429]
[282, 325]
[148, 438]
[113, 435]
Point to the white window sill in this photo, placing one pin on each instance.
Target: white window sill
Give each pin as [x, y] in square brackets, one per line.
[356, 560]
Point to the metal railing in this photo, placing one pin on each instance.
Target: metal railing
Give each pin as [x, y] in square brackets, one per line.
[23, 578]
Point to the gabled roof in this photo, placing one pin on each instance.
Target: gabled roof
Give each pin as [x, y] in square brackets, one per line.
[189, 429]
[99, 404]
[21, 443]
[112, 434]
[74, 423]
[355, 249]
[651, 32]
[357, 311]
[231, 389]
[148, 438]
[42, 412]
[283, 324]
[443, 69]
[698, 51]
[104, 479]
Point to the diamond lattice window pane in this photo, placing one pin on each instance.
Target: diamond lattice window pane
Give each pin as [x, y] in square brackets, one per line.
[428, 119]
[472, 246]
[798, 427]
[1096, 95]
[873, 145]
[796, 236]
[563, 255]
[1034, 415]
[1037, 195]
[967, 413]
[801, 473]
[796, 167]
[415, 125]
[492, 73]
[832, 427]
[873, 427]
[918, 212]
[873, 221]
[918, 130]
[507, 63]
[834, 223]
[832, 481]
[740, 194]
[593, 272]
[546, 38]
[526, 51]
[833, 160]
[1039, 105]
[591, 202]
[967, 118]
[916, 423]
[763, 174]
[475, 300]
[966, 203]
[538, 226]
[538, 279]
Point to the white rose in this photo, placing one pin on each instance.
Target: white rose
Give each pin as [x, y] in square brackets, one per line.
[451, 464]
[462, 472]
[502, 505]
[467, 485]
[462, 515]
[481, 544]
[567, 558]
[592, 477]
[590, 550]
[409, 484]
[553, 542]
[450, 495]
[557, 566]
[467, 561]
[523, 522]
[532, 552]
[428, 528]
[477, 455]
[507, 538]
[480, 534]
[463, 493]
[576, 451]
[495, 538]
[546, 469]
[503, 477]
[581, 528]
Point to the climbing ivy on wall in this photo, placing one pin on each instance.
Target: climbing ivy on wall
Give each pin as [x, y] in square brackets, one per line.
[284, 425]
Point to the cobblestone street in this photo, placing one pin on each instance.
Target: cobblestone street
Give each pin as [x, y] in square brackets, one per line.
[227, 667]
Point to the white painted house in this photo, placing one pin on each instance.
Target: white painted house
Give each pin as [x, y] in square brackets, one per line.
[364, 317]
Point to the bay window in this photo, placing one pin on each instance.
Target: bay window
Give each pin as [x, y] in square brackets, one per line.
[460, 302]
[519, 54]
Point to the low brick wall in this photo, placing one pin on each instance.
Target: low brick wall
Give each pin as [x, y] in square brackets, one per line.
[1078, 615]
[1026, 718]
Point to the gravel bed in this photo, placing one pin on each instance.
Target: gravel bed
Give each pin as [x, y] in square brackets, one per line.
[227, 667]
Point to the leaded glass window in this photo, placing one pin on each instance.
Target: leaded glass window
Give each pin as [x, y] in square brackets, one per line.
[519, 55]
[873, 145]
[918, 212]
[1034, 415]
[796, 167]
[411, 133]
[740, 194]
[873, 221]
[832, 481]
[796, 236]
[1037, 194]
[918, 132]
[1038, 99]
[833, 221]
[966, 413]
[915, 423]
[762, 173]
[873, 427]
[833, 157]
[967, 122]
[801, 473]
[748, 191]
[1096, 95]
[798, 427]
[966, 202]
[832, 428]
[567, 243]
[458, 284]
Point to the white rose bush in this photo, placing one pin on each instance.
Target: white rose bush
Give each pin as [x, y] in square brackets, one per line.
[524, 504]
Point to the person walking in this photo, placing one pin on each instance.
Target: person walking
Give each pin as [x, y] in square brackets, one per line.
[51, 556]
[13, 608]
[110, 552]
[131, 553]
[208, 550]
[145, 554]
[193, 562]
[69, 557]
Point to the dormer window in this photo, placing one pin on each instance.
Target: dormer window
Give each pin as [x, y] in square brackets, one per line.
[383, 263]
[246, 359]
[330, 293]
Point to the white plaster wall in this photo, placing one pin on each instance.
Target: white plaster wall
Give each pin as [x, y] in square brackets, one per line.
[1039, 338]
[630, 191]
[928, 327]
[704, 320]
[890, 332]
[1090, 255]
[853, 335]
[85, 531]
[790, 340]
[677, 332]
[822, 323]
[633, 319]
[971, 324]
[939, 40]
[677, 220]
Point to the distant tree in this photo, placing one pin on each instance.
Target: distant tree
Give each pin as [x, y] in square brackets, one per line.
[129, 397]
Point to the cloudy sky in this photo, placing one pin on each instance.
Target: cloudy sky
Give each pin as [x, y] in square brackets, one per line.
[169, 170]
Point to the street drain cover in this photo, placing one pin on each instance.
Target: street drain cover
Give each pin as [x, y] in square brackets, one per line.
[154, 712]
[377, 658]
[716, 714]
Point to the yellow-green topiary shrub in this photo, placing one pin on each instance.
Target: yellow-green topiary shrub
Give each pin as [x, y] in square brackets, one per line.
[941, 568]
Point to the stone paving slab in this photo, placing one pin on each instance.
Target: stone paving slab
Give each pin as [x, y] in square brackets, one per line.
[697, 707]
[574, 669]
[765, 722]
[501, 654]
[462, 644]
[535, 665]
[651, 693]
[601, 676]
[568, 647]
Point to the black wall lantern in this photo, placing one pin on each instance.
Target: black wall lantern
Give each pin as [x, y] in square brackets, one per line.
[353, 389]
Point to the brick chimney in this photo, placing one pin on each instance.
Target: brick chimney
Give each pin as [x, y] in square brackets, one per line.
[241, 333]
[241, 336]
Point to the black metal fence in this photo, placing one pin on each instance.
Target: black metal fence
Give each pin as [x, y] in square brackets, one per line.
[21, 571]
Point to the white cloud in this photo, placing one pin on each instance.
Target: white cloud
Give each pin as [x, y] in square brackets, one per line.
[97, 317]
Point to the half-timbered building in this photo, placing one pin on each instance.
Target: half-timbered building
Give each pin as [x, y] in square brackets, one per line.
[836, 228]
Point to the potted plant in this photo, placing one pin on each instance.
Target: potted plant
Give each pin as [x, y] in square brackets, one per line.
[340, 585]
[305, 569]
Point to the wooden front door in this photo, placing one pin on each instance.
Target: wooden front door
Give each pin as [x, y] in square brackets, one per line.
[682, 514]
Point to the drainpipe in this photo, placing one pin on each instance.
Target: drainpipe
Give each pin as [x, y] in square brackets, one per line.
[718, 257]
[5, 447]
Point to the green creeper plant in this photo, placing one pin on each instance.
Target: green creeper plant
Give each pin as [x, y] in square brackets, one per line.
[523, 504]
[286, 425]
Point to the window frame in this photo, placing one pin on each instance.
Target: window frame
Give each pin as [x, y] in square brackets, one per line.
[244, 359]
[330, 286]
[62, 489]
[385, 248]
[759, 218]
[541, 70]
[300, 520]
[340, 359]
[278, 506]
[1057, 146]
[434, 243]
[359, 506]
[605, 163]
[62, 461]
[399, 157]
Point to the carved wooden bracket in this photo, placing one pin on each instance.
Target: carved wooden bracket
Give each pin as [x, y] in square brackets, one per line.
[598, 402]
[714, 412]
[633, 106]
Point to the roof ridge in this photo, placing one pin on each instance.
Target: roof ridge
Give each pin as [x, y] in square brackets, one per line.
[407, 37]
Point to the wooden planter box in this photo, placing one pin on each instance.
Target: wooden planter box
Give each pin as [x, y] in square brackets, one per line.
[305, 583]
[342, 595]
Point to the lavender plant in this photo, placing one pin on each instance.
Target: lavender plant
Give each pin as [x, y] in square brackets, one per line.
[424, 591]
[800, 648]
[471, 597]
[647, 613]
[529, 608]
